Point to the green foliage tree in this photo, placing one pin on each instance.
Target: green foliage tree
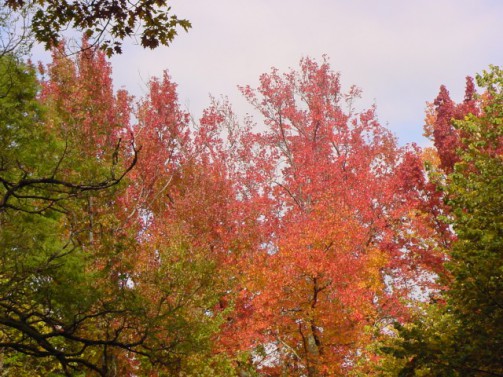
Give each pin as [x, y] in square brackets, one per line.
[462, 333]
[50, 297]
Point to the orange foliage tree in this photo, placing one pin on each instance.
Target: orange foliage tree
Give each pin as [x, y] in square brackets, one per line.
[345, 225]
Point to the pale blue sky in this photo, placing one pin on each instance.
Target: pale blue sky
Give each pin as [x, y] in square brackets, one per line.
[398, 52]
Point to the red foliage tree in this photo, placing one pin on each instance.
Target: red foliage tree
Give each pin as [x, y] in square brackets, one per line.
[439, 127]
[343, 235]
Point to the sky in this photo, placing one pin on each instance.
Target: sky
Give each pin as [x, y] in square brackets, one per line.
[398, 52]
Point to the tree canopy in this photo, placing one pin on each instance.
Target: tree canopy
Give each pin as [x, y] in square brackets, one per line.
[304, 241]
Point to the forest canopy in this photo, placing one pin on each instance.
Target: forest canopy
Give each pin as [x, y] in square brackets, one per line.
[137, 241]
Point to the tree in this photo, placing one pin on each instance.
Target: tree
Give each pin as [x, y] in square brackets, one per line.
[43, 206]
[180, 196]
[461, 334]
[342, 232]
[439, 126]
[95, 277]
[105, 23]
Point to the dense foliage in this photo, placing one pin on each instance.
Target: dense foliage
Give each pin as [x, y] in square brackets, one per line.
[135, 241]
[461, 334]
[77, 291]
